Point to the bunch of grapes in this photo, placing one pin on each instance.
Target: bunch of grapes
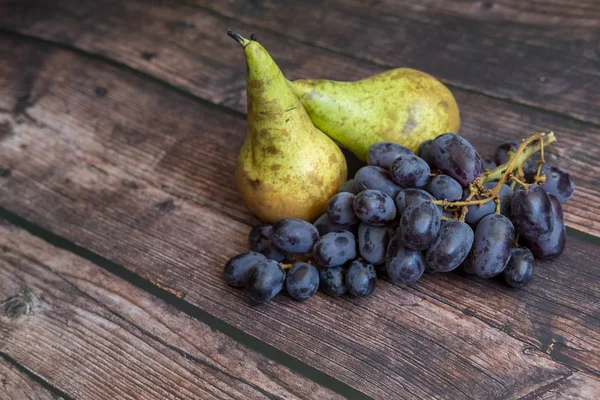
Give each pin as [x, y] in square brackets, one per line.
[405, 214]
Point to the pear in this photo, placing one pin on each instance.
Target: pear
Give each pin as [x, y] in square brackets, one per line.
[287, 168]
[403, 105]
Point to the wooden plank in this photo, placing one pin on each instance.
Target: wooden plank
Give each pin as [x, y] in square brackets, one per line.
[577, 386]
[572, 28]
[565, 83]
[97, 336]
[111, 190]
[215, 71]
[14, 384]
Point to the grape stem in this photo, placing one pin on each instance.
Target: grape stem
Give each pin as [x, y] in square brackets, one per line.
[502, 173]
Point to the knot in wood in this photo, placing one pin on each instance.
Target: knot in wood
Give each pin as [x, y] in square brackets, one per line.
[18, 305]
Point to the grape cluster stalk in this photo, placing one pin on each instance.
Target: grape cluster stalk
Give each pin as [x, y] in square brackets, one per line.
[442, 209]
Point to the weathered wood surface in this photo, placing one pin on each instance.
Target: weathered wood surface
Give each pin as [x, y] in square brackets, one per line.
[95, 336]
[382, 32]
[190, 50]
[15, 384]
[143, 176]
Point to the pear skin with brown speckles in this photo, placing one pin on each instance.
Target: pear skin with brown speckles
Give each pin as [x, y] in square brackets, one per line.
[287, 168]
[402, 105]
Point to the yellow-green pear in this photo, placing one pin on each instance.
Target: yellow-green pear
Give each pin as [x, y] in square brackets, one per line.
[403, 105]
[286, 167]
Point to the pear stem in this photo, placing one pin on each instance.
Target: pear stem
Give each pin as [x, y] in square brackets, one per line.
[237, 37]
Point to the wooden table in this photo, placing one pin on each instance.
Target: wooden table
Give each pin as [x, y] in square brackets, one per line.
[120, 122]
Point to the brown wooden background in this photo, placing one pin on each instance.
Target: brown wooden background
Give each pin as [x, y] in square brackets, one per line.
[120, 123]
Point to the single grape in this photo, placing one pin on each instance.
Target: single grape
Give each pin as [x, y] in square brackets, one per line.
[361, 279]
[457, 158]
[237, 267]
[339, 209]
[302, 281]
[410, 171]
[374, 207]
[444, 187]
[477, 212]
[325, 225]
[294, 235]
[376, 178]
[349, 186]
[383, 154]
[335, 248]
[408, 196]
[403, 265]
[451, 247]
[553, 245]
[265, 280]
[372, 242]
[558, 183]
[488, 164]
[491, 248]
[420, 225]
[519, 270]
[531, 212]
[332, 281]
[259, 240]
[531, 165]
[424, 151]
[501, 154]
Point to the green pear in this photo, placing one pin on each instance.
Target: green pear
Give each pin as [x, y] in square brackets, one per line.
[287, 168]
[403, 105]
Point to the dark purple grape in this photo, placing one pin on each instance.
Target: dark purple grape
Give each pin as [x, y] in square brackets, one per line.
[376, 178]
[339, 209]
[457, 158]
[259, 240]
[444, 187]
[530, 167]
[408, 196]
[558, 183]
[519, 270]
[383, 154]
[335, 248]
[531, 212]
[451, 247]
[302, 281]
[237, 268]
[265, 280]
[332, 281]
[324, 225]
[294, 235]
[361, 279]
[553, 245]
[410, 171]
[488, 164]
[501, 154]
[424, 151]
[403, 265]
[477, 212]
[492, 244]
[420, 225]
[374, 207]
[349, 186]
[372, 242]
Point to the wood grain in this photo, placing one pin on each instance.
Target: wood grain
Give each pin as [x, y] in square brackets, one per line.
[379, 33]
[97, 336]
[14, 384]
[571, 28]
[191, 51]
[106, 171]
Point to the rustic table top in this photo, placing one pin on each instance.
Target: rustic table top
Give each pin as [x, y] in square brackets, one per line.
[120, 122]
